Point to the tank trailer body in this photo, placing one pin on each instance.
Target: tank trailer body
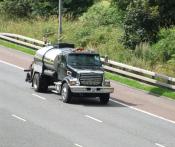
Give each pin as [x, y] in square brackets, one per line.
[72, 72]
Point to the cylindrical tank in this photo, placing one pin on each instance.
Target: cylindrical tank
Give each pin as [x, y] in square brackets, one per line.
[51, 55]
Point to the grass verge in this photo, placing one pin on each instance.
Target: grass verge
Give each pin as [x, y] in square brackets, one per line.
[155, 90]
[17, 47]
[159, 91]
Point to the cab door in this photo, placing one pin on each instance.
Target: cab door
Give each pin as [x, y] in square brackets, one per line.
[62, 68]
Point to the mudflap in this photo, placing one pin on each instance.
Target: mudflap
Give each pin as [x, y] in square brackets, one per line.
[28, 75]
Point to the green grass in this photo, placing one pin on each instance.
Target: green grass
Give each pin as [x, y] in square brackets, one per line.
[17, 47]
[159, 91]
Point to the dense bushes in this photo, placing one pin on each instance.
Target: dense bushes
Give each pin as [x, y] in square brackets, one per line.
[141, 24]
[76, 7]
[122, 4]
[101, 14]
[44, 8]
[101, 29]
[26, 8]
[164, 49]
[19, 8]
[166, 11]
[144, 18]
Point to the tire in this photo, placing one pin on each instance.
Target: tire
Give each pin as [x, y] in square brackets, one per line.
[44, 84]
[104, 98]
[39, 84]
[66, 93]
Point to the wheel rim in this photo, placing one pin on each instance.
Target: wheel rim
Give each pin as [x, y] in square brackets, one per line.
[64, 93]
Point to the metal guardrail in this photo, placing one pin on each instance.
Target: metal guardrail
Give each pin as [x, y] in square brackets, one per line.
[139, 74]
[24, 39]
[111, 66]
[19, 42]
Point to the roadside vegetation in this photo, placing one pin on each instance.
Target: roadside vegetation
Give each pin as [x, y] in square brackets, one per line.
[139, 33]
[154, 90]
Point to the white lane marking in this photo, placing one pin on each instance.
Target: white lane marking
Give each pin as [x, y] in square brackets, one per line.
[159, 145]
[22, 119]
[78, 145]
[11, 65]
[93, 118]
[40, 97]
[148, 113]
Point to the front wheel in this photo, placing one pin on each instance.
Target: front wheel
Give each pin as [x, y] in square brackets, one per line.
[104, 98]
[66, 93]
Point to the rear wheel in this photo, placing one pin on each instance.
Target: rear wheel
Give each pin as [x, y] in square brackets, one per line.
[66, 93]
[39, 83]
[104, 98]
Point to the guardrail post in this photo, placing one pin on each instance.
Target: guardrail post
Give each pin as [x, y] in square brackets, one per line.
[45, 40]
[106, 59]
[168, 81]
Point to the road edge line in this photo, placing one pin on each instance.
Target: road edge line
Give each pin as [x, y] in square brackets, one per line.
[143, 111]
[12, 65]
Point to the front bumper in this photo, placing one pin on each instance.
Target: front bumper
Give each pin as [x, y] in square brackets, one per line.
[91, 89]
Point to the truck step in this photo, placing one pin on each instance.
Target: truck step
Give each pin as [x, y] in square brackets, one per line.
[57, 83]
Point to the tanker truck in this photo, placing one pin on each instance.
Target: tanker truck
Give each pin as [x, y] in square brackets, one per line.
[71, 71]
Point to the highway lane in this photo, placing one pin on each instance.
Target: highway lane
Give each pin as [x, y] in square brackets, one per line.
[50, 122]
[135, 99]
[16, 133]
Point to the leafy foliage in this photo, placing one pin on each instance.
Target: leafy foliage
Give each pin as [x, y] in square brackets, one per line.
[44, 7]
[20, 8]
[122, 4]
[165, 48]
[102, 14]
[141, 24]
[166, 11]
[76, 7]
[25, 8]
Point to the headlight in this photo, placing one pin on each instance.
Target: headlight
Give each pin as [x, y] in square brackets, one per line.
[107, 83]
[69, 73]
[73, 82]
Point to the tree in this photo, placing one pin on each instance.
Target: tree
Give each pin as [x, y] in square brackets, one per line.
[24, 8]
[122, 4]
[166, 11]
[20, 8]
[141, 24]
[44, 7]
[76, 7]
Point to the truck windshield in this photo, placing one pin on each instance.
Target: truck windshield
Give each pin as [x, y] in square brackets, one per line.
[84, 60]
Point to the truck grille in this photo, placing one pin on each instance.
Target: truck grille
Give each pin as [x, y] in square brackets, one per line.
[91, 79]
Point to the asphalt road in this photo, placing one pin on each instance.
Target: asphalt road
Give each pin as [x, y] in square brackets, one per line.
[29, 119]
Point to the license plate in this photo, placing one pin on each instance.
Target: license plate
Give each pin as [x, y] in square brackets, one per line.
[93, 89]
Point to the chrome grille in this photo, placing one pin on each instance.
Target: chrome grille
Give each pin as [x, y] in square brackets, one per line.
[91, 79]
